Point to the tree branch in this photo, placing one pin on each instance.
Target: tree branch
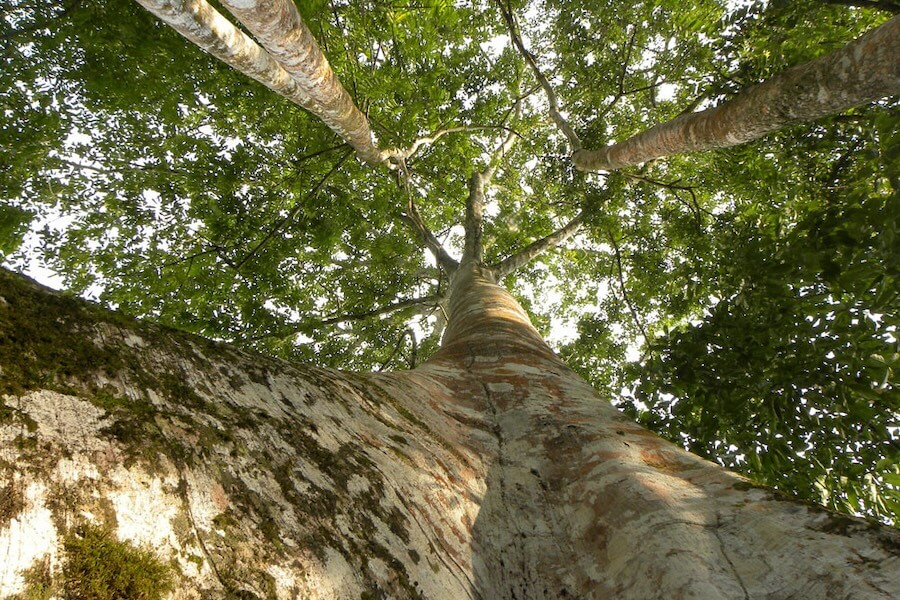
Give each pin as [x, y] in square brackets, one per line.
[561, 123]
[280, 29]
[674, 187]
[620, 92]
[430, 140]
[293, 212]
[411, 360]
[864, 70]
[383, 310]
[478, 183]
[301, 74]
[502, 150]
[415, 220]
[538, 247]
[621, 278]
[473, 249]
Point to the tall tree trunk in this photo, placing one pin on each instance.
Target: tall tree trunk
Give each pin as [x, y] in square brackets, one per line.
[865, 70]
[491, 471]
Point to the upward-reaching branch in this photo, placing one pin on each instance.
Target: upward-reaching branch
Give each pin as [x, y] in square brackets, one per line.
[478, 183]
[415, 220]
[473, 249]
[864, 70]
[299, 71]
[561, 123]
[538, 247]
[621, 277]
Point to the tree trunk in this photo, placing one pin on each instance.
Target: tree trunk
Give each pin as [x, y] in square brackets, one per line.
[865, 70]
[491, 471]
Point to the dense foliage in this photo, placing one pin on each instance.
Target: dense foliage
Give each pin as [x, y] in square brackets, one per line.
[743, 303]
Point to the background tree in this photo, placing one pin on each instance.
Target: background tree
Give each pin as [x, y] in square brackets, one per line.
[757, 281]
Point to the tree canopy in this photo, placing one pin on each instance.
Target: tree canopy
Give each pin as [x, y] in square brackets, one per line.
[742, 302]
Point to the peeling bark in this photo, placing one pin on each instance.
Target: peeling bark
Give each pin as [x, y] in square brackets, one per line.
[865, 70]
[491, 471]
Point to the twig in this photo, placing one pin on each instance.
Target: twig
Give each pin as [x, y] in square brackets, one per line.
[348, 317]
[694, 207]
[383, 310]
[621, 278]
[434, 137]
[287, 218]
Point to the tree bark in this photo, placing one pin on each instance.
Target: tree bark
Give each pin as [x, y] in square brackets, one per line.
[491, 471]
[865, 70]
[280, 29]
[299, 71]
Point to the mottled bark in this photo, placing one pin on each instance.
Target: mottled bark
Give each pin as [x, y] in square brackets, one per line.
[865, 70]
[491, 471]
[298, 71]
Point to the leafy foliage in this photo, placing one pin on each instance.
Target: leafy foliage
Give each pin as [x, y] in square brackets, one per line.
[742, 302]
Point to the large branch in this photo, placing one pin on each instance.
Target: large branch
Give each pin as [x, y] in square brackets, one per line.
[443, 259]
[280, 29]
[538, 247]
[301, 74]
[561, 123]
[865, 70]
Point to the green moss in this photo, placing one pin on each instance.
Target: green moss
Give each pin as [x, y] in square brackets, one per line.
[99, 567]
[747, 485]
[12, 503]
[38, 582]
[37, 345]
[50, 340]
[399, 439]
[841, 525]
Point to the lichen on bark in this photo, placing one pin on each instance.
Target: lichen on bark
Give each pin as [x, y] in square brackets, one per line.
[489, 471]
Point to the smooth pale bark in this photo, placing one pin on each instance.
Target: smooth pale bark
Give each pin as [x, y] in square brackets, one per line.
[280, 29]
[299, 71]
[491, 471]
[865, 70]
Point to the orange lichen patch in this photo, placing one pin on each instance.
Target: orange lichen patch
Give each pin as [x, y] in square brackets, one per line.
[219, 497]
[663, 461]
[660, 490]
